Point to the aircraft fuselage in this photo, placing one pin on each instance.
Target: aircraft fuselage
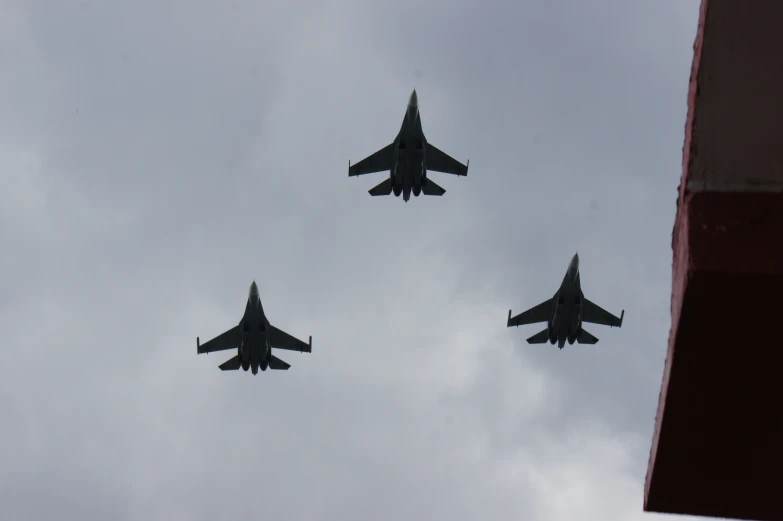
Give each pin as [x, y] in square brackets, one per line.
[254, 349]
[409, 171]
[567, 318]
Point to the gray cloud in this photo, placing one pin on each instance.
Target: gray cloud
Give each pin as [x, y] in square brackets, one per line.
[156, 158]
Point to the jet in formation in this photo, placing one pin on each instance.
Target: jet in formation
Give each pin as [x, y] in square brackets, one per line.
[565, 312]
[408, 159]
[253, 338]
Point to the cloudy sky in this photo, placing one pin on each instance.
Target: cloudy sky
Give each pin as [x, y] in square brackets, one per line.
[157, 156]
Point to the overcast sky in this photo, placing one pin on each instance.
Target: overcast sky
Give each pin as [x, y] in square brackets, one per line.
[158, 156]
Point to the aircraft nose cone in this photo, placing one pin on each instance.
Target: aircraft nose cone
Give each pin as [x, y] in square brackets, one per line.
[574, 261]
[254, 288]
[414, 100]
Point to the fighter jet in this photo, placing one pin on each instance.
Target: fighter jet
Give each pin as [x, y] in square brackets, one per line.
[408, 158]
[254, 338]
[565, 312]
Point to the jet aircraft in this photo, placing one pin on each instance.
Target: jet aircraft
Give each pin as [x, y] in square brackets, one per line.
[408, 158]
[565, 312]
[253, 338]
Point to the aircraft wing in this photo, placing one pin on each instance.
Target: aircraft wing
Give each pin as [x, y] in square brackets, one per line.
[228, 340]
[439, 161]
[539, 313]
[380, 161]
[595, 314]
[281, 340]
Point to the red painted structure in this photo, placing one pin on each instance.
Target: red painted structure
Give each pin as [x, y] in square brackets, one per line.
[717, 449]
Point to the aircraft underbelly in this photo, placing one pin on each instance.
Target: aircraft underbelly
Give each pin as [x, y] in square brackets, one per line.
[254, 348]
[408, 178]
[566, 323]
[409, 168]
[573, 325]
[407, 174]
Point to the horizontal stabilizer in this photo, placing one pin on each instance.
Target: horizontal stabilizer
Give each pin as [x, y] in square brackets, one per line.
[385, 188]
[539, 338]
[276, 363]
[586, 338]
[428, 187]
[231, 364]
